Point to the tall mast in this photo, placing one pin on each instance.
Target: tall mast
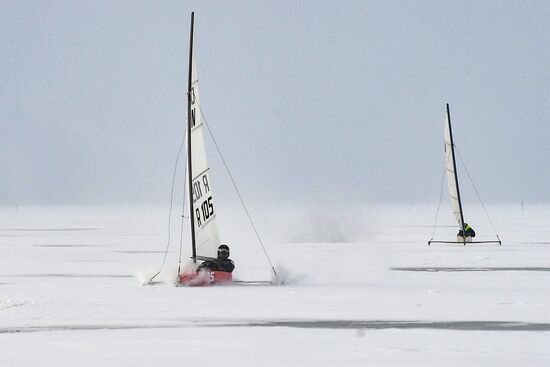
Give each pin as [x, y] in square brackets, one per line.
[189, 123]
[454, 167]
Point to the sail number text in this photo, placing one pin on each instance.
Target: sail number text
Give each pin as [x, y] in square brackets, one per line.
[202, 200]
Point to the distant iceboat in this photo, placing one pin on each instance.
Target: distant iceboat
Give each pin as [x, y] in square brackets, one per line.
[465, 233]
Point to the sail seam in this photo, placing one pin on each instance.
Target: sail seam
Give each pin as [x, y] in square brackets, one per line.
[200, 174]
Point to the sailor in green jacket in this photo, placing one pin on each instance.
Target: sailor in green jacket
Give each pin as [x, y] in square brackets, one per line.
[467, 232]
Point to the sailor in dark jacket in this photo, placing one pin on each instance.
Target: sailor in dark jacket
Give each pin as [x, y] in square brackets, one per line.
[221, 263]
[467, 232]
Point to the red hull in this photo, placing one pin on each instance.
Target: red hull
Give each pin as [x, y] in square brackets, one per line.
[204, 277]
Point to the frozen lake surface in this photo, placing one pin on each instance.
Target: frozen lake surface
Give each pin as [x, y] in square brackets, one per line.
[362, 288]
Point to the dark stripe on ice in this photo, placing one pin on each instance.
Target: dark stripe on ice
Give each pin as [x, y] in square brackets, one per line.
[66, 276]
[308, 324]
[67, 246]
[49, 229]
[396, 324]
[459, 269]
[139, 252]
[31, 329]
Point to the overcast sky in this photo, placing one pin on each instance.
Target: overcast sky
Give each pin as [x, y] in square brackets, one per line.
[310, 101]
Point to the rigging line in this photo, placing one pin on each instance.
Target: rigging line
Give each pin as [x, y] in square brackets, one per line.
[182, 214]
[239, 194]
[171, 205]
[478, 196]
[438, 205]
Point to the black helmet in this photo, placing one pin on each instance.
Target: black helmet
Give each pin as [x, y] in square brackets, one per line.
[223, 252]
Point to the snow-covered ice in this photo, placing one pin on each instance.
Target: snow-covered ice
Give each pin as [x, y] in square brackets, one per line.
[362, 288]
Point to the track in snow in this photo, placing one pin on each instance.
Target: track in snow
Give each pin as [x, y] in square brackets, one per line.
[455, 269]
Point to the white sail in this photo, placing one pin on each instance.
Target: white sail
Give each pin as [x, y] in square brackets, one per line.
[207, 238]
[450, 167]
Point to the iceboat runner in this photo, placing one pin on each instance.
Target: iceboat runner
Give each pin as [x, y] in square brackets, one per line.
[210, 258]
[465, 233]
